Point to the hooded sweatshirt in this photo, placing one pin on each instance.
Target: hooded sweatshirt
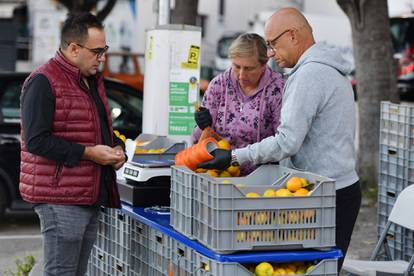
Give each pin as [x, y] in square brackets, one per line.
[317, 128]
[241, 119]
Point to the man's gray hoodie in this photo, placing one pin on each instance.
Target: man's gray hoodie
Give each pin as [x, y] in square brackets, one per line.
[317, 128]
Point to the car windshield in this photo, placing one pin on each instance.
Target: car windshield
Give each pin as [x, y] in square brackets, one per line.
[402, 33]
[10, 102]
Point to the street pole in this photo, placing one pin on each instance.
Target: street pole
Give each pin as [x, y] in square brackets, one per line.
[163, 12]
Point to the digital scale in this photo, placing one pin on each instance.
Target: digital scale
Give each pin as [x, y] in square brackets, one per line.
[148, 174]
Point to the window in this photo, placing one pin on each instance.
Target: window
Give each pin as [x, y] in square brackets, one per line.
[10, 101]
[126, 109]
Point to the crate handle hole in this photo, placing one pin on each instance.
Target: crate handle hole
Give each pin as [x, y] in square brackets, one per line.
[205, 267]
[390, 236]
[121, 217]
[180, 252]
[391, 194]
[100, 257]
[158, 239]
[119, 268]
[392, 152]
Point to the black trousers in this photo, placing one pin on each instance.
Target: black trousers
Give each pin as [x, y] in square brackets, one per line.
[348, 202]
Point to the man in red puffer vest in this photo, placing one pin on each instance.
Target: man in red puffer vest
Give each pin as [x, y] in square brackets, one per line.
[68, 152]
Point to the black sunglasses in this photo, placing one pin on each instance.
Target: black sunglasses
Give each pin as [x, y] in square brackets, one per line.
[99, 52]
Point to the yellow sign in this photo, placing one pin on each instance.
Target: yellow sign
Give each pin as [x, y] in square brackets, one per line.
[150, 48]
[193, 56]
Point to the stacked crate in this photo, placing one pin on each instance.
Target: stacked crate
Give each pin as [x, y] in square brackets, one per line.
[396, 171]
[126, 246]
[217, 213]
[111, 252]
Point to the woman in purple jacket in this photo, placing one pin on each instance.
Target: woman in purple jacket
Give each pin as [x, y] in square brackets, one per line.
[243, 103]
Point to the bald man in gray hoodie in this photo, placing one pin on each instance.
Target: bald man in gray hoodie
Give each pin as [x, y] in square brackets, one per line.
[317, 128]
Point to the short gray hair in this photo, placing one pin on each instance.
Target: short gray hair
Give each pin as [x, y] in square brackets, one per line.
[248, 44]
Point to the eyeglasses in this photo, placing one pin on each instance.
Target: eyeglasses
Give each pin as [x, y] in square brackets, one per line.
[98, 52]
[271, 43]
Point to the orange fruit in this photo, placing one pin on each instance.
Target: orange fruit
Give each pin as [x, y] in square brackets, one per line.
[269, 193]
[283, 192]
[224, 144]
[301, 192]
[294, 184]
[225, 174]
[234, 170]
[252, 195]
[213, 173]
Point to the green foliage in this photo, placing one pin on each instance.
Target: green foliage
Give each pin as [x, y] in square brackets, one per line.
[23, 267]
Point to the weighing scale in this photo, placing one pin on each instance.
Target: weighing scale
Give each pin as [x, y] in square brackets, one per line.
[147, 175]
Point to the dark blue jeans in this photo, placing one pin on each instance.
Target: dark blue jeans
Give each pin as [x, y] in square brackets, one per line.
[69, 232]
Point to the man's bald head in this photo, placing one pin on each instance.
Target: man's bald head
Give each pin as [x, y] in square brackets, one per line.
[291, 23]
[288, 18]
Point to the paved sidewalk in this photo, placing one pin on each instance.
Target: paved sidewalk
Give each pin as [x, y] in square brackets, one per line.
[364, 237]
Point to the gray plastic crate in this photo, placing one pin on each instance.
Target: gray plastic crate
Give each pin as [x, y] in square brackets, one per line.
[208, 267]
[392, 182]
[397, 125]
[139, 249]
[397, 162]
[159, 252]
[114, 233]
[399, 239]
[188, 262]
[181, 207]
[225, 220]
[104, 264]
[182, 259]
[386, 200]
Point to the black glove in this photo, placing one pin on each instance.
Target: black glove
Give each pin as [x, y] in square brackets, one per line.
[203, 118]
[221, 160]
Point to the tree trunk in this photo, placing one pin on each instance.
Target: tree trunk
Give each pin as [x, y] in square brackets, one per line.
[376, 77]
[184, 12]
[75, 6]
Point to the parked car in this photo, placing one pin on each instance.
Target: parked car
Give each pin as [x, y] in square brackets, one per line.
[126, 112]
[402, 35]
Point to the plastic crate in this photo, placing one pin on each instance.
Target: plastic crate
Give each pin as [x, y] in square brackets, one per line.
[181, 208]
[182, 259]
[399, 239]
[386, 200]
[397, 125]
[159, 248]
[104, 264]
[208, 267]
[139, 249]
[188, 262]
[397, 162]
[114, 233]
[225, 220]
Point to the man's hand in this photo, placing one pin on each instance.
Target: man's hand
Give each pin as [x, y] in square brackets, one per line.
[221, 160]
[103, 155]
[203, 118]
[118, 165]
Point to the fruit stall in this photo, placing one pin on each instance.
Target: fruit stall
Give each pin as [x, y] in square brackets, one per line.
[273, 221]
